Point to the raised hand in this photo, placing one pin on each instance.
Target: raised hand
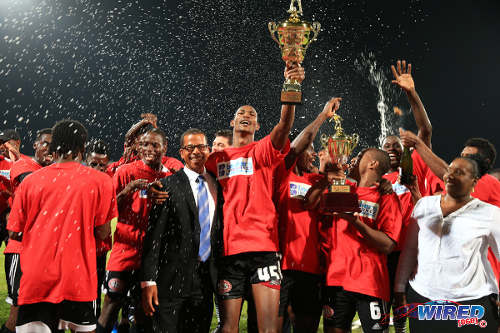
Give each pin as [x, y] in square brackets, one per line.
[402, 76]
[294, 72]
[331, 107]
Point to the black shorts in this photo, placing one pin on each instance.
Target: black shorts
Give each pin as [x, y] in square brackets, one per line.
[13, 275]
[238, 272]
[342, 305]
[302, 291]
[120, 284]
[101, 274]
[78, 316]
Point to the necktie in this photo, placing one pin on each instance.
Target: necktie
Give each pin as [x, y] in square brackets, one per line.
[204, 218]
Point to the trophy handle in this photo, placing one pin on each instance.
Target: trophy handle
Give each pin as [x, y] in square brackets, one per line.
[273, 28]
[316, 27]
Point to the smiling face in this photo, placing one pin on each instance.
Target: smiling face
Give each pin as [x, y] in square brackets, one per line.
[245, 120]
[220, 143]
[152, 148]
[306, 160]
[392, 145]
[195, 152]
[460, 178]
[41, 147]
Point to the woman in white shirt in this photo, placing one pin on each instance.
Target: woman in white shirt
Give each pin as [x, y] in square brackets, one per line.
[445, 257]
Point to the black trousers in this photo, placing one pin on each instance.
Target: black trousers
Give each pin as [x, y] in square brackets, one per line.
[446, 326]
[190, 314]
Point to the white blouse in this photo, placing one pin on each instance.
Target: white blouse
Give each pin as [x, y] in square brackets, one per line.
[448, 255]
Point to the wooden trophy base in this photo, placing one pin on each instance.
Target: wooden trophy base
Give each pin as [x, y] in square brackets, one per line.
[339, 202]
[291, 97]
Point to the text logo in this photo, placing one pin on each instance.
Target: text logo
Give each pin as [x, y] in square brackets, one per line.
[368, 209]
[239, 167]
[298, 189]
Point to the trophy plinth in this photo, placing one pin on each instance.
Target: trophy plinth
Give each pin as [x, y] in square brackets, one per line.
[341, 197]
[294, 37]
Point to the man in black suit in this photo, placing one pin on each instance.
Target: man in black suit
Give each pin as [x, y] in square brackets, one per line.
[182, 242]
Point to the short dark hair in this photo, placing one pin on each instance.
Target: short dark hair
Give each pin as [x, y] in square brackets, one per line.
[41, 132]
[157, 131]
[485, 148]
[479, 162]
[68, 136]
[384, 161]
[189, 132]
[9, 134]
[97, 146]
[473, 163]
[225, 133]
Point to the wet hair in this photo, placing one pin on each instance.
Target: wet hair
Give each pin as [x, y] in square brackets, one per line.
[189, 132]
[227, 134]
[97, 146]
[43, 131]
[484, 148]
[382, 157]
[479, 164]
[158, 132]
[68, 136]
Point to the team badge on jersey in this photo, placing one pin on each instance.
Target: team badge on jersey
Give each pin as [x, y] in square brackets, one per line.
[239, 167]
[368, 209]
[298, 189]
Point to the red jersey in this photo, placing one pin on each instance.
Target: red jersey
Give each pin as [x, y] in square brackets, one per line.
[5, 187]
[133, 216]
[21, 166]
[57, 208]
[299, 228]
[353, 264]
[246, 176]
[406, 202]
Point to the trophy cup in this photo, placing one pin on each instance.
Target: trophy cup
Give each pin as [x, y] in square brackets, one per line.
[340, 197]
[294, 36]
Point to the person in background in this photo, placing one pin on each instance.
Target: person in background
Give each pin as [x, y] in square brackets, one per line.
[223, 139]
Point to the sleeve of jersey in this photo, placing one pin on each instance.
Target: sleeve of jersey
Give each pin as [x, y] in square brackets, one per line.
[267, 155]
[390, 220]
[420, 170]
[174, 163]
[108, 210]
[120, 180]
[17, 217]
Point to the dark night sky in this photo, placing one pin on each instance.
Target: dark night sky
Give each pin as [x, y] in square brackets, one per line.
[194, 62]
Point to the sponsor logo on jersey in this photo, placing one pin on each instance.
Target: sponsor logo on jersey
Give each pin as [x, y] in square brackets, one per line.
[242, 166]
[143, 194]
[224, 286]
[399, 189]
[368, 209]
[5, 173]
[298, 189]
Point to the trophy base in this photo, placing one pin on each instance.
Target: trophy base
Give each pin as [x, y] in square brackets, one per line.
[291, 97]
[339, 202]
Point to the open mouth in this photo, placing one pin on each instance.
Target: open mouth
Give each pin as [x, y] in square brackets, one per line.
[245, 122]
[394, 156]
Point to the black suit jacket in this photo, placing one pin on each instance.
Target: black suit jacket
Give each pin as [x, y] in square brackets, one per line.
[170, 253]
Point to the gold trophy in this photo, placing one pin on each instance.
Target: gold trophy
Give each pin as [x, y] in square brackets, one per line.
[341, 197]
[294, 36]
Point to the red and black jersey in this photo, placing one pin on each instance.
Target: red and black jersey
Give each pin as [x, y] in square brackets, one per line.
[353, 263]
[246, 176]
[133, 216]
[57, 208]
[5, 186]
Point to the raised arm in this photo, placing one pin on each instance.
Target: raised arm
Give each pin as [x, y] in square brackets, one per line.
[434, 162]
[280, 132]
[306, 137]
[404, 79]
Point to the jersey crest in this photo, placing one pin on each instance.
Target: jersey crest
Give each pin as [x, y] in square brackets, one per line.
[242, 166]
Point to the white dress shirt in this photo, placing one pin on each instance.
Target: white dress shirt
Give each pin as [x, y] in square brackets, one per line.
[211, 188]
[450, 254]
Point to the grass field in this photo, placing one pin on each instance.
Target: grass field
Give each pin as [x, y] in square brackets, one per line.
[4, 307]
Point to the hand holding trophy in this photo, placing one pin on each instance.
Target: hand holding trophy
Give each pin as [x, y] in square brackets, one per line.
[294, 37]
[341, 197]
